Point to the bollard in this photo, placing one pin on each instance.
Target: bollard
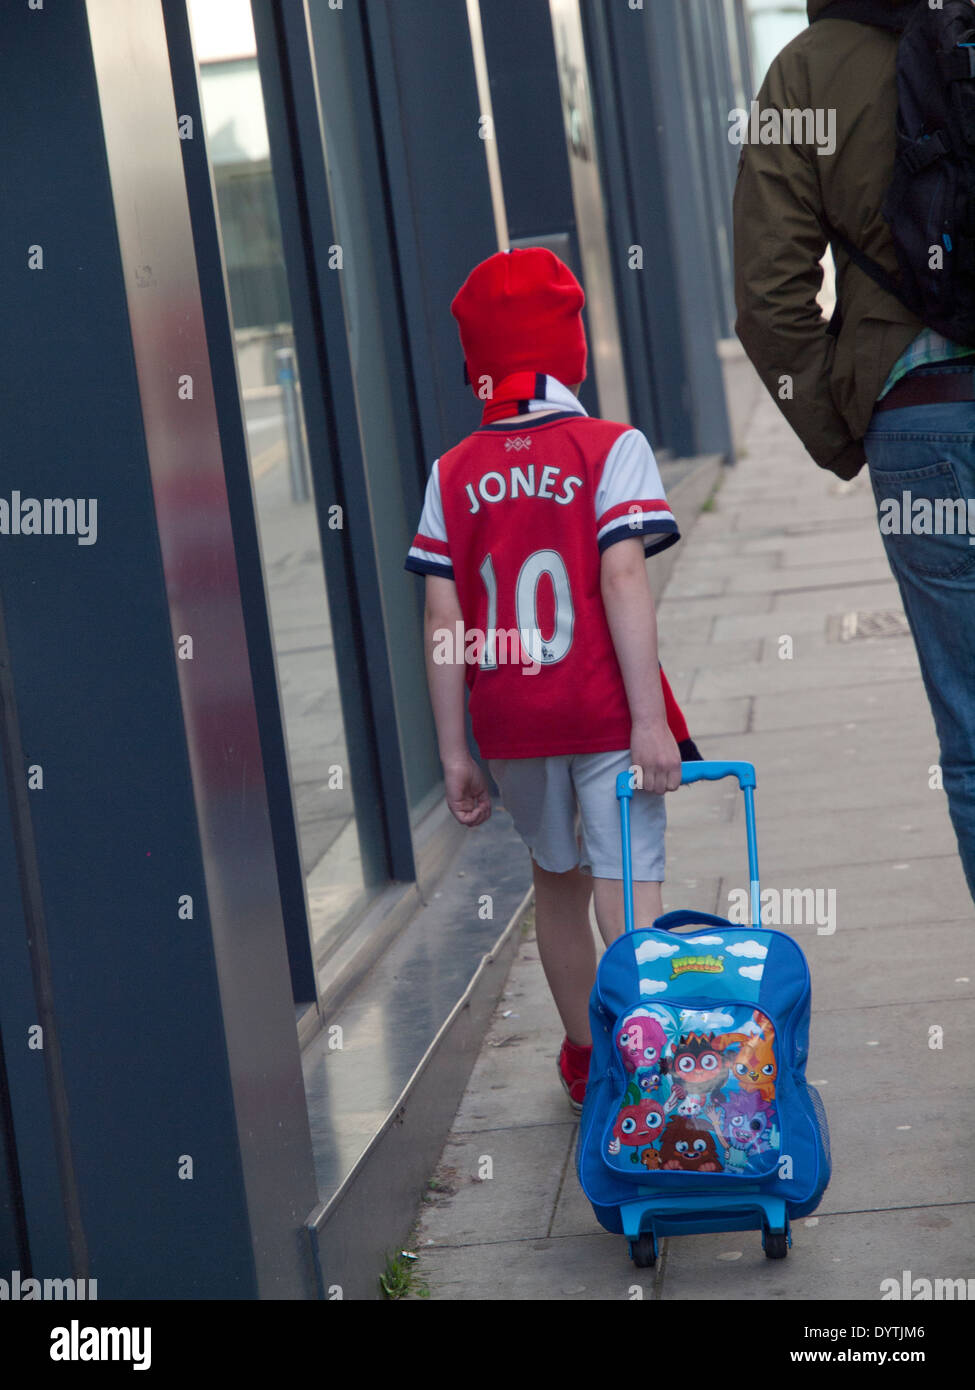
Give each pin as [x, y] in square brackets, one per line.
[285, 358]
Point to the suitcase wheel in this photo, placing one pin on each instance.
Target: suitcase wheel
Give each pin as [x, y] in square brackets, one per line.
[644, 1251]
[776, 1244]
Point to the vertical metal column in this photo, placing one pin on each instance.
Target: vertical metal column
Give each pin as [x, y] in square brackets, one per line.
[711, 88]
[128, 669]
[240, 497]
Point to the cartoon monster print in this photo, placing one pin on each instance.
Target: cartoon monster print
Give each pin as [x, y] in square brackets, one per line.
[698, 1068]
[690, 1105]
[689, 1144]
[754, 1066]
[636, 1125]
[743, 1128]
[641, 1041]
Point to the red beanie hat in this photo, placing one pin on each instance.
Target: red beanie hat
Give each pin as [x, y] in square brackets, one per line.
[521, 311]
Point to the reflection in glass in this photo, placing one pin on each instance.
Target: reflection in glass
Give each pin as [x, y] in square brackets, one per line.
[587, 198]
[294, 578]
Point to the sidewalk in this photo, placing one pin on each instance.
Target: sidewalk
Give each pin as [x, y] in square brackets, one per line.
[842, 740]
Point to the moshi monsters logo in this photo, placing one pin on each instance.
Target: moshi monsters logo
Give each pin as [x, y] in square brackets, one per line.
[709, 965]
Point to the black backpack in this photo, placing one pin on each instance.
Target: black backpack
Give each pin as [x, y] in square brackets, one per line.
[930, 204]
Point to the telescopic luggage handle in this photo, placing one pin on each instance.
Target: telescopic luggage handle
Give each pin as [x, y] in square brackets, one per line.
[694, 772]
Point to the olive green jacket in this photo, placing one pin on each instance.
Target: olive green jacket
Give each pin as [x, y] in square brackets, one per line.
[785, 198]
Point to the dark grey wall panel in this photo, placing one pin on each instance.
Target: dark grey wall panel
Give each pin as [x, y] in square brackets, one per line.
[177, 1034]
[525, 96]
[657, 97]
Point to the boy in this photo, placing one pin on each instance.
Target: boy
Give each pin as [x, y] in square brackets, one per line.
[533, 540]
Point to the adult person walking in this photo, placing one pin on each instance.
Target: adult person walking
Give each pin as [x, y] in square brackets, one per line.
[877, 385]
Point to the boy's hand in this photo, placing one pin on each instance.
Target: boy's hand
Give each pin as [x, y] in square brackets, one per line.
[467, 794]
[653, 748]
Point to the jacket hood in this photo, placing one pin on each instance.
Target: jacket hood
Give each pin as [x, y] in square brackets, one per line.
[815, 7]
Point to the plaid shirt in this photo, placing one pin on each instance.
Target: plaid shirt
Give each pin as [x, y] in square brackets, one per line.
[926, 348]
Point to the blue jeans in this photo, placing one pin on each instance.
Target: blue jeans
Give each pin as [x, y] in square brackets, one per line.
[928, 451]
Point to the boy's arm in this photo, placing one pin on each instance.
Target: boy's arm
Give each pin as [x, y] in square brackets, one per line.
[464, 784]
[633, 624]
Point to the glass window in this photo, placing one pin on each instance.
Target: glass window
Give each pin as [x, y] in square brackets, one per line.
[587, 197]
[294, 576]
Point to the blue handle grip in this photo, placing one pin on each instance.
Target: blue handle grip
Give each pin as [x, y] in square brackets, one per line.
[694, 772]
[712, 772]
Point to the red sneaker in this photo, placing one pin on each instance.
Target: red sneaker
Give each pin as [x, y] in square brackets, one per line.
[573, 1067]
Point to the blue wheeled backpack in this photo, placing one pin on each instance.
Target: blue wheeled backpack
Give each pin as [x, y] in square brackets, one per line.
[698, 1116]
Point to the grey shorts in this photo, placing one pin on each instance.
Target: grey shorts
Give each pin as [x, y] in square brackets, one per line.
[565, 809]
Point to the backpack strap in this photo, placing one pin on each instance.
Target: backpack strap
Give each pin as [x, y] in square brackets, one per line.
[869, 267]
[877, 13]
[686, 917]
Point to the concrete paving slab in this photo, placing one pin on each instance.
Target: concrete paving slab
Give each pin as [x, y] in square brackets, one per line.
[517, 1200]
[768, 625]
[695, 582]
[670, 634]
[834, 666]
[711, 718]
[724, 546]
[518, 1087]
[876, 1055]
[808, 646]
[883, 1151]
[848, 1256]
[802, 515]
[573, 1213]
[679, 610]
[846, 542]
[712, 558]
[689, 657]
[751, 578]
[933, 961]
[849, 703]
[814, 844]
[862, 541]
[853, 764]
[881, 894]
[870, 597]
[690, 891]
[577, 1269]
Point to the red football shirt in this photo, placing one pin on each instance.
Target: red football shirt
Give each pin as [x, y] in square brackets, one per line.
[518, 516]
